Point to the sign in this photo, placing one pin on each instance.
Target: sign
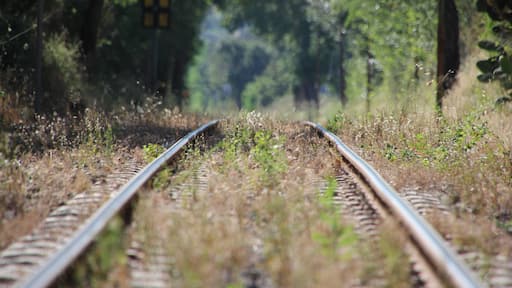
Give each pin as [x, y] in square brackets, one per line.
[155, 14]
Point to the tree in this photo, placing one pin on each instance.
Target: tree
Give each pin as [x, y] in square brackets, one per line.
[448, 57]
[498, 67]
[90, 27]
[287, 24]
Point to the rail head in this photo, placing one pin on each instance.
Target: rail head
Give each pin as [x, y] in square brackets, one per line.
[84, 236]
[429, 241]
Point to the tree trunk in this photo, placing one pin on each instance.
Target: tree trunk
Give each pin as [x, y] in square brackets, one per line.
[178, 79]
[89, 34]
[342, 46]
[448, 57]
[306, 92]
[39, 59]
[369, 76]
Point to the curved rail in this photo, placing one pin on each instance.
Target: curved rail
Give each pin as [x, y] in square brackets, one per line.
[428, 240]
[48, 272]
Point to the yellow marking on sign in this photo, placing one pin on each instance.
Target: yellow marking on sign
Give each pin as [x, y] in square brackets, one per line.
[148, 20]
[148, 3]
[164, 3]
[163, 20]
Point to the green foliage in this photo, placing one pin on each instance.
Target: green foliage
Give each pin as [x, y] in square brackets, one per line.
[268, 154]
[63, 73]
[455, 140]
[238, 140]
[151, 152]
[505, 225]
[287, 25]
[227, 66]
[105, 255]
[99, 135]
[264, 151]
[498, 67]
[337, 122]
[267, 87]
[333, 234]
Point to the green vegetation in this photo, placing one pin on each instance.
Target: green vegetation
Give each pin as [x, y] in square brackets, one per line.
[499, 66]
[468, 154]
[96, 268]
[223, 55]
[246, 146]
[151, 152]
[237, 224]
[269, 156]
[332, 234]
[63, 70]
[95, 53]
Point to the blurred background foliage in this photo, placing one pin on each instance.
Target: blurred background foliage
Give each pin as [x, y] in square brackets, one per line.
[223, 55]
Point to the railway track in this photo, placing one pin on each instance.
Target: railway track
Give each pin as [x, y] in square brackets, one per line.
[39, 259]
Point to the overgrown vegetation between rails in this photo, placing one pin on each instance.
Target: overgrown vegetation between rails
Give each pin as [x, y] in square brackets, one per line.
[262, 211]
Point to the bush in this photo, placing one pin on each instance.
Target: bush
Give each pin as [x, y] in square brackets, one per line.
[63, 73]
[272, 84]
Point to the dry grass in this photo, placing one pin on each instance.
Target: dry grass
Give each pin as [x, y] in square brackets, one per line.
[46, 162]
[278, 225]
[466, 155]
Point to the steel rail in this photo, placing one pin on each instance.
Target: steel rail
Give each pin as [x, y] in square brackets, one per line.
[428, 240]
[83, 237]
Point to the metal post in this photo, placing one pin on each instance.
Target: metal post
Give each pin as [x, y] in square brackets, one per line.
[39, 58]
[154, 76]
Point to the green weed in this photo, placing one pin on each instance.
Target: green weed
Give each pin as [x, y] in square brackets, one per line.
[269, 156]
[337, 122]
[441, 150]
[151, 152]
[106, 254]
[332, 235]
[245, 147]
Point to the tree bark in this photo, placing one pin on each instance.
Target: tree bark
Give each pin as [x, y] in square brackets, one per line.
[178, 79]
[448, 57]
[89, 34]
[39, 59]
[342, 46]
[306, 92]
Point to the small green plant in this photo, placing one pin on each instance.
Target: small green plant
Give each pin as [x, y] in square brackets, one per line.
[263, 150]
[237, 141]
[151, 152]
[333, 235]
[390, 246]
[98, 134]
[106, 254]
[269, 155]
[64, 71]
[447, 148]
[336, 123]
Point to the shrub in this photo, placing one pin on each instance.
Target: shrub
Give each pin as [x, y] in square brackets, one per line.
[63, 73]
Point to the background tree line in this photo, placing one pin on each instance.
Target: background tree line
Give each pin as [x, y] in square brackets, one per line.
[96, 52]
[250, 53]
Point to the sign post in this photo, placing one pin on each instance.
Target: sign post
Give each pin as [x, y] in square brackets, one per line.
[39, 59]
[155, 15]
